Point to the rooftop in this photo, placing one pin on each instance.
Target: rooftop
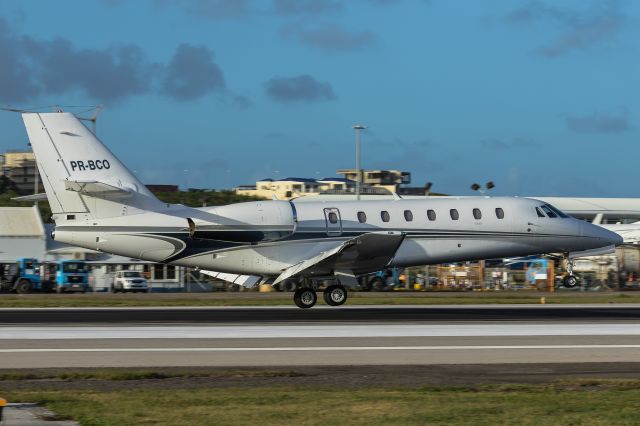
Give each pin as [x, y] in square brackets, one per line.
[20, 222]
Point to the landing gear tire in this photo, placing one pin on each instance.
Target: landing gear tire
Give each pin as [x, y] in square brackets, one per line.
[24, 287]
[570, 281]
[305, 297]
[335, 295]
[289, 285]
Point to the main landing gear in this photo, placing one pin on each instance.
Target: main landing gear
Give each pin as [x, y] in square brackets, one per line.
[333, 295]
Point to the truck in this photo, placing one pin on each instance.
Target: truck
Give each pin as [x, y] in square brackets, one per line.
[382, 280]
[27, 275]
[22, 277]
[70, 276]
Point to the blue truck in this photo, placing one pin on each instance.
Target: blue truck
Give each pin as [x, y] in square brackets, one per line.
[22, 276]
[71, 276]
[27, 275]
[383, 280]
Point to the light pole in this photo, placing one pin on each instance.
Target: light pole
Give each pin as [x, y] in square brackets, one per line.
[358, 128]
[483, 190]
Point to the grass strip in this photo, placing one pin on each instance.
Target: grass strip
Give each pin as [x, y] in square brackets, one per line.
[574, 402]
[121, 374]
[257, 299]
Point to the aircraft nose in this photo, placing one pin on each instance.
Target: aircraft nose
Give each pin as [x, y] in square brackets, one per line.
[599, 233]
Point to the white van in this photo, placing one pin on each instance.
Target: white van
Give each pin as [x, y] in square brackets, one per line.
[129, 281]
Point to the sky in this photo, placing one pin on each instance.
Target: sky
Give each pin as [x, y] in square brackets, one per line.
[540, 97]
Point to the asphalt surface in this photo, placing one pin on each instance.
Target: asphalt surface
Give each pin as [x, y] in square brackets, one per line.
[352, 314]
[283, 336]
[31, 415]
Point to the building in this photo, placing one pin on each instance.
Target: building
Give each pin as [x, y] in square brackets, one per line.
[376, 182]
[14, 158]
[389, 179]
[293, 187]
[22, 234]
[20, 167]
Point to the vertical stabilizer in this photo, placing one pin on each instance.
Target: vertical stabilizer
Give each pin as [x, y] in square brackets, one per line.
[80, 174]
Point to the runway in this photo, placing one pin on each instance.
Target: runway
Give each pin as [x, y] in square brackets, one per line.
[351, 314]
[279, 337]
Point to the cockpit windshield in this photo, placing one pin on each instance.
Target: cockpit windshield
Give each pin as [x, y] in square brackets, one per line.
[550, 211]
[558, 211]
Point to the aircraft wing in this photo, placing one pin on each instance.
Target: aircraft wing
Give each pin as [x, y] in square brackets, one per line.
[630, 232]
[247, 281]
[371, 251]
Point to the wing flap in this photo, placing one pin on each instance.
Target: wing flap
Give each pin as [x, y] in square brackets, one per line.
[369, 251]
[247, 281]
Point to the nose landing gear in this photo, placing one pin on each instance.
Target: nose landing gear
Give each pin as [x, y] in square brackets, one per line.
[570, 281]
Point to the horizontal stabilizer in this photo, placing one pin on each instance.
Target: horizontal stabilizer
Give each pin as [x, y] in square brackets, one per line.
[94, 187]
[371, 251]
[247, 281]
[33, 197]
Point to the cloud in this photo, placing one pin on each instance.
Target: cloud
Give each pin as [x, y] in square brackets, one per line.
[599, 123]
[211, 9]
[297, 7]
[17, 82]
[108, 75]
[579, 29]
[192, 72]
[303, 88]
[328, 36]
[33, 69]
[240, 9]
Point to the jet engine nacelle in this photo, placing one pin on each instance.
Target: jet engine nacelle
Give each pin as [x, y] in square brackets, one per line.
[250, 222]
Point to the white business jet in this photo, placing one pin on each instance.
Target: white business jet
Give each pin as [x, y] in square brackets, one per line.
[99, 204]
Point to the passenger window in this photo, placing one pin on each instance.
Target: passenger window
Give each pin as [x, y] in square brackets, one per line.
[454, 214]
[333, 218]
[431, 214]
[385, 216]
[477, 214]
[549, 212]
[539, 212]
[408, 215]
[362, 217]
[499, 213]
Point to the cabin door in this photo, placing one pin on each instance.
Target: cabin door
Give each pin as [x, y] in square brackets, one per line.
[333, 221]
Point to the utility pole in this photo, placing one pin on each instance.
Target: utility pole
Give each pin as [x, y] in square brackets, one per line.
[35, 176]
[358, 128]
